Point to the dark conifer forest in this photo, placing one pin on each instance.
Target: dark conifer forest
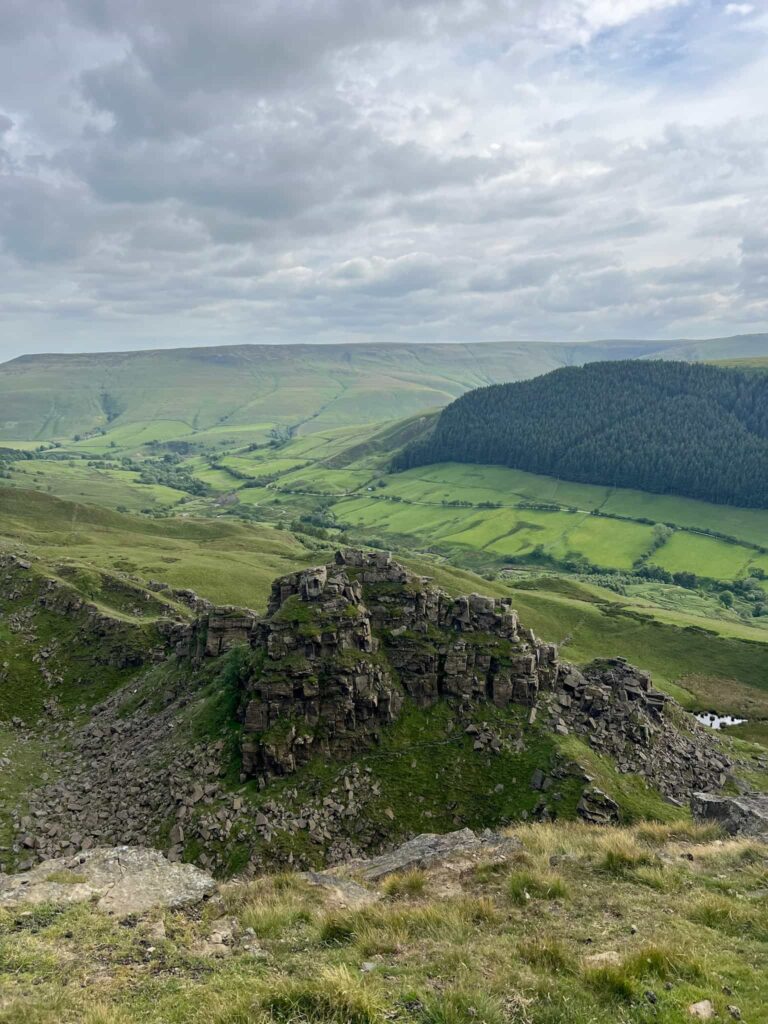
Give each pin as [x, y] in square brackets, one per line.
[668, 427]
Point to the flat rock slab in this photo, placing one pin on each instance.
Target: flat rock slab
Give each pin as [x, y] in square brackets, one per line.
[431, 849]
[341, 891]
[739, 815]
[120, 880]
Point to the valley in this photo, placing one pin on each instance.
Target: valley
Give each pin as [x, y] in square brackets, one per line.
[157, 601]
[383, 512]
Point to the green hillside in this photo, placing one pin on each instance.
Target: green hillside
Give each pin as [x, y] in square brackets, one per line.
[719, 660]
[225, 560]
[675, 584]
[237, 393]
[663, 426]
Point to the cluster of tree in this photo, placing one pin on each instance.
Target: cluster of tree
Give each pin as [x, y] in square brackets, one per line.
[745, 594]
[168, 472]
[667, 427]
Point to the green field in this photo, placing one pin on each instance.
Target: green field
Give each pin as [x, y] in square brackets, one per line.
[76, 481]
[715, 558]
[226, 561]
[422, 503]
[478, 484]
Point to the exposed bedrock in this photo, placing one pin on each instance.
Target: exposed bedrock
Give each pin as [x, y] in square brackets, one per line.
[344, 645]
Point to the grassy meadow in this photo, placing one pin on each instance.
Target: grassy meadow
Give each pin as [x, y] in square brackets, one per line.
[227, 561]
[575, 926]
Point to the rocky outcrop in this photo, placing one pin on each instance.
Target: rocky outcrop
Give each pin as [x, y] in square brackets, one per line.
[613, 705]
[738, 815]
[345, 644]
[120, 880]
[89, 634]
[341, 652]
[217, 630]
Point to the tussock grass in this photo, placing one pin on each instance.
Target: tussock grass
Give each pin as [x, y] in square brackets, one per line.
[611, 983]
[622, 853]
[741, 852]
[275, 916]
[658, 833]
[272, 906]
[663, 962]
[385, 928]
[335, 996]
[572, 838]
[656, 876]
[621, 982]
[406, 884]
[461, 1005]
[102, 1013]
[732, 916]
[523, 886]
[546, 954]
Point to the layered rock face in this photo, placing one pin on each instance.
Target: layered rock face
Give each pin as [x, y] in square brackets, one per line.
[344, 645]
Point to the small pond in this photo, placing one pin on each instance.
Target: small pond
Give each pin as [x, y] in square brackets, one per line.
[713, 721]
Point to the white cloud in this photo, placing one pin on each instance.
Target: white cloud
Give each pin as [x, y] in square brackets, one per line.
[379, 169]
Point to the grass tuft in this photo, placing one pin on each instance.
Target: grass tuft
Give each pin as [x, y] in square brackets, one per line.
[408, 884]
[335, 996]
[621, 854]
[611, 983]
[546, 954]
[523, 886]
[460, 1006]
[664, 963]
[727, 914]
[65, 878]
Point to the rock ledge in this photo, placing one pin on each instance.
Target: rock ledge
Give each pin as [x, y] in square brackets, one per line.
[121, 880]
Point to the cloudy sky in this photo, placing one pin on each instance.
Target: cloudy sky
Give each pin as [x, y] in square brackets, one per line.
[175, 172]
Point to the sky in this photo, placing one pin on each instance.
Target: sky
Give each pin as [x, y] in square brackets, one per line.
[179, 173]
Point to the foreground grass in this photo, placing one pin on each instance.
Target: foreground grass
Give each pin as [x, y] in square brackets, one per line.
[580, 925]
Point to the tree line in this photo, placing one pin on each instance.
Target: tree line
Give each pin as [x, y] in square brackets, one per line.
[668, 427]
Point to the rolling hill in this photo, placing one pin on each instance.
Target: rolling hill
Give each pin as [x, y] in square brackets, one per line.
[665, 427]
[237, 393]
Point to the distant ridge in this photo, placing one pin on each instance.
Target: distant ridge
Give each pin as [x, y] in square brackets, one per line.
[306, 387]
[737, 346]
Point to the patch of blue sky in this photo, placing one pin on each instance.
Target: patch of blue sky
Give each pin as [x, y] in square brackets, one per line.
[683, 47]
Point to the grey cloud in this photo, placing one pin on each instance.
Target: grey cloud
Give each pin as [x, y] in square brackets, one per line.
[419, 169]
[41, 222]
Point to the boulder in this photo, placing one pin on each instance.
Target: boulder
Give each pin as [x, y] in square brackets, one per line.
[430, 850]
[738, 815]
[121, 880]
[703, 1010]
